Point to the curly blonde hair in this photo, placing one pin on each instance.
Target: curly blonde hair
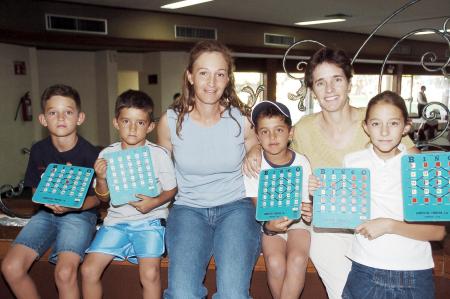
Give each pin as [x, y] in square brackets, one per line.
[185, 102]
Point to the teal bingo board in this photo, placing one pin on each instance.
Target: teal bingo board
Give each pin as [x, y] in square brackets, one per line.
[130, 172]
[279, 193]
[63, 185]
[426, 187]
[343, 200]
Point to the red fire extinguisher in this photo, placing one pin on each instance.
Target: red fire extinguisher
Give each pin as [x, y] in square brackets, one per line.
[25, 108]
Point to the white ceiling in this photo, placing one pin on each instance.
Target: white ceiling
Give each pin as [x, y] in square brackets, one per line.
[365, 14]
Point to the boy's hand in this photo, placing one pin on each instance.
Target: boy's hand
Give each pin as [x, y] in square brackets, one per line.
[313, 184]
[144, 205]
[307, 209]
[372, 229]
[59, 210]
[279, 225]
[252, 162]
[100, 166]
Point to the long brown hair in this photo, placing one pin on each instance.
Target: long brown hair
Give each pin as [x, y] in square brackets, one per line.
[185, 102]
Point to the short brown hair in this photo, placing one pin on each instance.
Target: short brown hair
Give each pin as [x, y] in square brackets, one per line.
[60, 90]
[329, 55]
[134, 99]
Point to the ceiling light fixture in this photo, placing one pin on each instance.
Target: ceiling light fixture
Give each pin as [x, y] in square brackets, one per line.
[184, 3]
[429, 32]
[324, 21]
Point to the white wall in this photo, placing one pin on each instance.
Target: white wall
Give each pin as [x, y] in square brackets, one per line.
[173, 65]
[14, 135]
[96, 76]
[106, 74]
[130, 61]
[76, 69]
[169, 67]
[127, 80]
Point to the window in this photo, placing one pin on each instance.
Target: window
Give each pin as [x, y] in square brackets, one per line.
[365, 87]
[251, 79]
[437, 89]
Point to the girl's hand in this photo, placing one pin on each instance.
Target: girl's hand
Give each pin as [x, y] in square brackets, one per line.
[100, 166]
[307, 209]
[313, 184]
[144, 205]
[59, 210]
[252, 162]
[372, 229]
[279, 225]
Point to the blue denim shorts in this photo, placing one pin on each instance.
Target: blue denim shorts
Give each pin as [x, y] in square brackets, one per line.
[131, 240]
[367, 282]
[69, 232]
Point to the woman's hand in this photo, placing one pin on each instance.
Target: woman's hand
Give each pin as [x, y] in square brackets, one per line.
[252, 162]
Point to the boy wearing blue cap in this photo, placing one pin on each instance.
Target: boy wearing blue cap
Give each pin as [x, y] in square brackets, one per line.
[285, 242]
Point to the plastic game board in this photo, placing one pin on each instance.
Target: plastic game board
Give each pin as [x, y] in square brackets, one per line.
[64, 185]
[279, 193]
[426, 187]
[343, 200]
[130, 172]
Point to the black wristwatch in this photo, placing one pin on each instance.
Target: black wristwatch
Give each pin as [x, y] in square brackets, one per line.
[267, 231]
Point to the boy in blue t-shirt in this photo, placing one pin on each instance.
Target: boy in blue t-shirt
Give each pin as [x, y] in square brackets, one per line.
[136, 230]
[68, 230]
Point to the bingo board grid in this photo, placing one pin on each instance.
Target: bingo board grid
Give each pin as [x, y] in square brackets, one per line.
[130, 172]
[343, 200]
[64, 185]
[279, 193]
[425, 186]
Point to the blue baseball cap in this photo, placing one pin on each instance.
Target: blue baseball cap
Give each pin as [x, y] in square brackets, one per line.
[261, 106]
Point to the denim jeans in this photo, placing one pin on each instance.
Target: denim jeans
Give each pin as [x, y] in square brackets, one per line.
[367, 282]
[229, 232]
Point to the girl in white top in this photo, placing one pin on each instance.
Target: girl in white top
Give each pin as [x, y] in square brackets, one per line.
[390, 258]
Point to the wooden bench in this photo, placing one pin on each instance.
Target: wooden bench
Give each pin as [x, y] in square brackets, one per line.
[127, 274]
[259, 267]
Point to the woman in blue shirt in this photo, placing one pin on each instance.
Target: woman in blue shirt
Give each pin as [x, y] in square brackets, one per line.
[208, 133]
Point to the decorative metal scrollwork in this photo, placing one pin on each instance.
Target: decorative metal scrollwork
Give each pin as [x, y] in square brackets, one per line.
[428, 57]
[302, 92]
[426, 131]
[253, 95]
[429, 61]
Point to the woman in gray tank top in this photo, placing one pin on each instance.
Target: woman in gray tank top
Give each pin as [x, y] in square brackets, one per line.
[208, 133]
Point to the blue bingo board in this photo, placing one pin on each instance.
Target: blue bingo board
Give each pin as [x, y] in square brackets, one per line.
[130, 172]
[279, 193]
[343, 200]
[64, 185]
[426, 187]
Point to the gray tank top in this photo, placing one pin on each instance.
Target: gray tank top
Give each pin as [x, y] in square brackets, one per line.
[208, 160]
